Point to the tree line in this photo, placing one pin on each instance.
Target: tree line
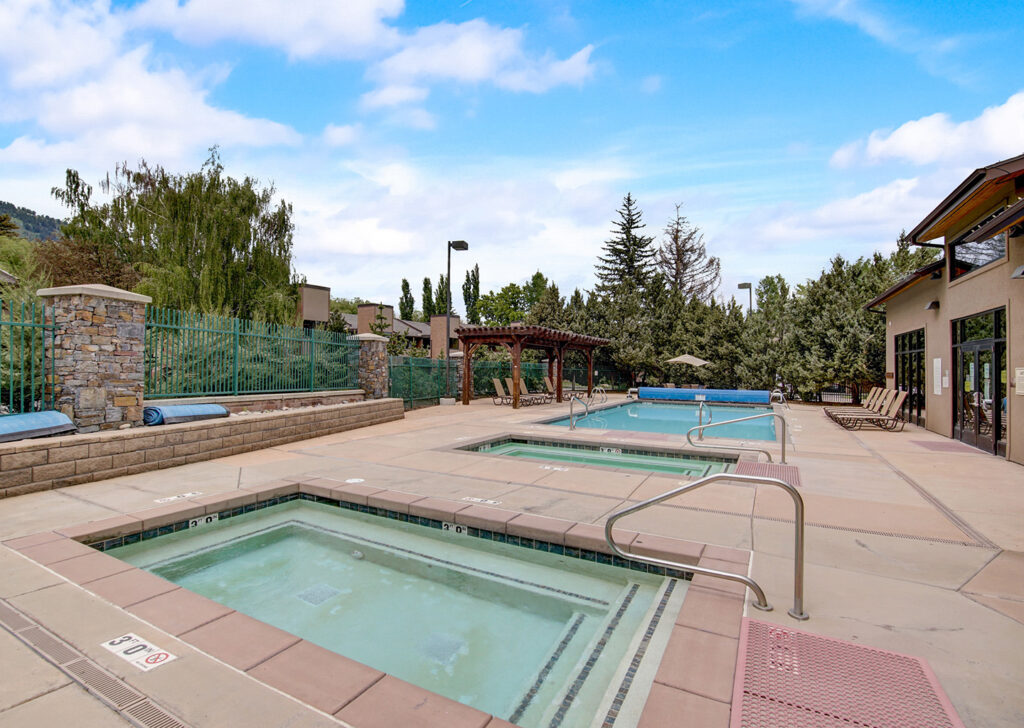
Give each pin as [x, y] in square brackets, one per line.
[655, 301]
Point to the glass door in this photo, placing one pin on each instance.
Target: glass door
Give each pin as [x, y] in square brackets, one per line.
[979, 362]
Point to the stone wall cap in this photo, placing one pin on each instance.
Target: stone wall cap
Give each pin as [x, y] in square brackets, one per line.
[95, 289]
[368, 337]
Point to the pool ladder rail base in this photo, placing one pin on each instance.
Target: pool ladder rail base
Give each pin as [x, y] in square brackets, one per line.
[761, 602]
[699, 429]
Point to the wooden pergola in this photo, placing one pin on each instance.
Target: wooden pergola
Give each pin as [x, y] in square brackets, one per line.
[518, 337]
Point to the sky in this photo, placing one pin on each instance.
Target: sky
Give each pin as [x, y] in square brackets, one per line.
[789, 130]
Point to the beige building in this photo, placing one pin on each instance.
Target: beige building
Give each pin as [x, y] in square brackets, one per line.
[955, 328]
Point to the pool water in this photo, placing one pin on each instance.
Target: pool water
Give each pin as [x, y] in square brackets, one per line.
[502, 628]
[609, 457]
[677, 418]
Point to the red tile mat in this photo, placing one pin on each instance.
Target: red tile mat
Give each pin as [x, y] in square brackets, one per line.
[787, 677]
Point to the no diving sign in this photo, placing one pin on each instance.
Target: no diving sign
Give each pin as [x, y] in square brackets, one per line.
[139, 652]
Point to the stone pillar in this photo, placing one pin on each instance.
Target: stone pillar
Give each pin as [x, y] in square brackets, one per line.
[458, 365]
[98, 355]
[373, 364]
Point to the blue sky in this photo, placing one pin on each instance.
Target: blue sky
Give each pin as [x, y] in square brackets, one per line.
[791, 130]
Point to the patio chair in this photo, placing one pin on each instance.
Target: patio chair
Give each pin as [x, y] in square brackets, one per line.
[525, 399]
[888, 419]
[881, 399]
[549, 386]
[541, 397]
[499, 397]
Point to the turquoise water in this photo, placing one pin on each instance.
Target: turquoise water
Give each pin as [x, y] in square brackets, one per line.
[477, 621]
[608, 457]
[676, 419]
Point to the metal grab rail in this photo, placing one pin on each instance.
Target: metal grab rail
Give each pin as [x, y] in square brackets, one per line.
[701, 429]
[778, 396]
[700, 416]
[797, 612]
[599, 389]
[586, 408]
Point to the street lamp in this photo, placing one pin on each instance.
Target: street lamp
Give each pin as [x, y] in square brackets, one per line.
[452, 245]
[750, 304]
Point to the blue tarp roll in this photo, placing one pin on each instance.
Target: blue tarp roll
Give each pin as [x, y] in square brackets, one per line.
[739, 396]
[34, 424]
[170, 414]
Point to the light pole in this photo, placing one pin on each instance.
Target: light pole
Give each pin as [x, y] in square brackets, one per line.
[750, 290]
[452, 245]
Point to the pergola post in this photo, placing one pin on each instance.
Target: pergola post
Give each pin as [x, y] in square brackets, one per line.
[558, 385]
[517, 350]
[590, 373]
[467, 373]
[551, 364]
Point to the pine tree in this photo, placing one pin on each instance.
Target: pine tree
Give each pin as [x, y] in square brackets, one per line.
[684, 261]
[428, 300]
[8, 228]
[549, 310]
[406, 303]
[629, 254]
[471, 294]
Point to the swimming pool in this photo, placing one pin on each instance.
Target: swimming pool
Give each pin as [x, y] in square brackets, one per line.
[687, 464]
[676, 419]
[535, 635]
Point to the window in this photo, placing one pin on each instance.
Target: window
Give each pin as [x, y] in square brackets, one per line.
[910, 374]
[968, 257]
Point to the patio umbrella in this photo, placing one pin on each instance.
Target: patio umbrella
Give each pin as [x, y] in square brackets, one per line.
[687, 359]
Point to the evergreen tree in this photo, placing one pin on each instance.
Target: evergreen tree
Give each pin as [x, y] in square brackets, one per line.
[441, 296]
[768, 336]
[549, 309]
[379, 325]
[629, 254]
[428, 300]
[406, 303]
[471, 294]
[8, 228]
[684, 261]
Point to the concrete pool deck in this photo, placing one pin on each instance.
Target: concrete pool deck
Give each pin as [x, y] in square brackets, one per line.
[914, 544]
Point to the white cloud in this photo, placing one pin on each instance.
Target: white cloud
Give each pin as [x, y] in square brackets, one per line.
[997, 133]
[651, 84]
[393, 95]
[340, 136]
[477, 52]
[47, 43]
[305, 29]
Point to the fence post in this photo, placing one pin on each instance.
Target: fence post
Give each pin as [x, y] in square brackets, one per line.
[98, 353]
[373, 365]
[312, 356]
[234, 356]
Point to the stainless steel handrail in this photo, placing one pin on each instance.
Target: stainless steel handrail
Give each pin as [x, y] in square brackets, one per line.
[599, 389]
[701, 429]
[700, 417]
[797, 612]
[586, 408]
[781, 398]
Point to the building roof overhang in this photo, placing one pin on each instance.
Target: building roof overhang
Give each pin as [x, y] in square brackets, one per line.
[531, 337]
[974, 192]
[922, 273]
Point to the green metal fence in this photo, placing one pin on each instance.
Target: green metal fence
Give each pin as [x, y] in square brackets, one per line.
[190, 354]
[26, 361]
[420, 382]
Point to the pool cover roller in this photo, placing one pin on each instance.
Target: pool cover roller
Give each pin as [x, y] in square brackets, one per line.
[34, 424]
[737, 396]
[174, 413]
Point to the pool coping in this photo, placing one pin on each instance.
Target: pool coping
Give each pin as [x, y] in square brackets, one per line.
[708, 622]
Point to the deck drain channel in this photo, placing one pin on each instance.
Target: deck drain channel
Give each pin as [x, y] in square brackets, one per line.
[132, 705]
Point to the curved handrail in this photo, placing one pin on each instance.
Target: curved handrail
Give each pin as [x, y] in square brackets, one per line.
[599, 389]
[797, 612]
[701, 429]
[700, 417]
[781, 398]
[586, 408]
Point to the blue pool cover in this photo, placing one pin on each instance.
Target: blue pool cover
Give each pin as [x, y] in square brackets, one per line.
[34, 424]
[170, 414]
[743, 396]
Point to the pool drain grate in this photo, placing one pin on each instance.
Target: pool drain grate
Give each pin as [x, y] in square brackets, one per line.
[317, 594]
[788, 677]
[132, 705]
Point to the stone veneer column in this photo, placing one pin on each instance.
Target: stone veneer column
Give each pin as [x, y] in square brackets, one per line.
[373, 365]
[98, 355]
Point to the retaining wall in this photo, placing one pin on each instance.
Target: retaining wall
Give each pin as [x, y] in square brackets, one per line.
[260, 402]
[57, 462]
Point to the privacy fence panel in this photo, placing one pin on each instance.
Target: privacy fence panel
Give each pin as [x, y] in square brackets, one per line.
[26, 361]
[190, 354]
[421, 382]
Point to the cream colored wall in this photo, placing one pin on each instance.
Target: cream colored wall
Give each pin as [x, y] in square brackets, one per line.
[985, 289]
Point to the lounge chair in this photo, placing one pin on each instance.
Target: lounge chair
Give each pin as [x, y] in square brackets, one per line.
[889, 418]
[549, 386]
[541, 397]
[869, 402]
[525, 399]
[499, 397]
[875, 405]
